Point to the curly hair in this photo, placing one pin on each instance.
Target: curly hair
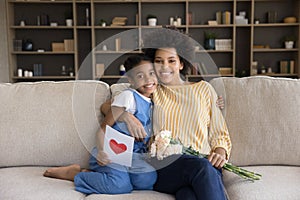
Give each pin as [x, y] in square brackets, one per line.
[134, 61]
[170, 38]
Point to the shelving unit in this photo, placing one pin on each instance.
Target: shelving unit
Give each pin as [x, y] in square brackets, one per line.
[90, 36]
[39, 32]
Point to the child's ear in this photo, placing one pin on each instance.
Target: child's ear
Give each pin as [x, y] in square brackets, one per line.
[130, 80]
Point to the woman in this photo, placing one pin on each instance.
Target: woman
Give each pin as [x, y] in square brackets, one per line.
[189, 111]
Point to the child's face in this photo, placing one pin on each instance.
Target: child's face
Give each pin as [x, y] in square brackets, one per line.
[143, 78]
[167, 66]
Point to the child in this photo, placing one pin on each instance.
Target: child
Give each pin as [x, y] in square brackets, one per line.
[110, 178]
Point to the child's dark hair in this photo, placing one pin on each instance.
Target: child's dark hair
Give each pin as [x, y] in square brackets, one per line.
[135, 60]
[168, 38]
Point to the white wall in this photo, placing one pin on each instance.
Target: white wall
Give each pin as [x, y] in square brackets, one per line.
[4, 71]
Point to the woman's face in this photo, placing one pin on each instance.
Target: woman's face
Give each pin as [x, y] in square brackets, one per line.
[167, 66]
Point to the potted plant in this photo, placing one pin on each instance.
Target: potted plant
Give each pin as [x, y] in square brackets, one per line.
[69, 18]
[209, 42]
[152, 20]
[102, 22]
[289, 41]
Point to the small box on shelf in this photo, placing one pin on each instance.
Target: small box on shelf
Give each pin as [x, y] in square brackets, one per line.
[58, 46]
[225, 70]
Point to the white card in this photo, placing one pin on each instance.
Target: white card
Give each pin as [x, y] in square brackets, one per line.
[118, 146]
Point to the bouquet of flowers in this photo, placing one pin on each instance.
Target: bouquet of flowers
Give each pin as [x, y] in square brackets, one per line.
[164, 145]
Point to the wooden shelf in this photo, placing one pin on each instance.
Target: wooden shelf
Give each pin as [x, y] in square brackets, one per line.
[41, 27]
[115, 27]
[275, 24]
[41, 53]
[87, 36]
[112, 77]
[275, 50]
[44, 77]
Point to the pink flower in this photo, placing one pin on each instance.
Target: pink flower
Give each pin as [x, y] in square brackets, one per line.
[161, 146]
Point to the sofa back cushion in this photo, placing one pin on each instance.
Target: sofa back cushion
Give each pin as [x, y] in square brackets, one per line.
[263, 117]
[49, 123]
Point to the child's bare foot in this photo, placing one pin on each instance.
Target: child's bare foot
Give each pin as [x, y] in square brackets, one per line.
[65, 173]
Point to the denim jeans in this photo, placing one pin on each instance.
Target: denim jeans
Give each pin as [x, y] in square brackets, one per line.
[114, 178]
[189, 177]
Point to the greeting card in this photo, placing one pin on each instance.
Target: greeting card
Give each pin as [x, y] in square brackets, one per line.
[118, 146]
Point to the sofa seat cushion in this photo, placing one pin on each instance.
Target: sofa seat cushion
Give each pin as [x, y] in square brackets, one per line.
[28, 183]
[135, 195]
[277, 183]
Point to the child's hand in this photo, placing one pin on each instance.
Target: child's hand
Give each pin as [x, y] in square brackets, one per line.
[102, 158]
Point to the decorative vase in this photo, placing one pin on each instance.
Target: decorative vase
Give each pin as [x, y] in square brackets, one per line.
[28, 45]
[209, 44]
[69, 22]
[289, 44]
[152, 21]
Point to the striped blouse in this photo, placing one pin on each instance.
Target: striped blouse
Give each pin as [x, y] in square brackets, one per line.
[191, 114]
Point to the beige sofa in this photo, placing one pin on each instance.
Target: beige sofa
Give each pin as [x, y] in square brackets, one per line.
[54, 123]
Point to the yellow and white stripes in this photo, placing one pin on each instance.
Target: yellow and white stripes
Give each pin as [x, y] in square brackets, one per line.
[190, 113]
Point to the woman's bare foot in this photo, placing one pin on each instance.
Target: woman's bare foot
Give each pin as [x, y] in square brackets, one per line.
[65, 173]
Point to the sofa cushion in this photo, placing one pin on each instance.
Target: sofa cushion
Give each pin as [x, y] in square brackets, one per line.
[135, 195]
[118, 88]
[277, 183]
[49, 123]
[28, 183]
[262, 114]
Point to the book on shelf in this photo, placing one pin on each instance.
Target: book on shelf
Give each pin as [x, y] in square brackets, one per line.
[287, 66]
[118, 44]
[100, 68]
[223, 44]
[223, 17]
[119, 21]
[292, 66]
[219, 17]
[69, 44]
[226, 17]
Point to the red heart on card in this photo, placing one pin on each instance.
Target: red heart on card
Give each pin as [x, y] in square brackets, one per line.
[117, 147]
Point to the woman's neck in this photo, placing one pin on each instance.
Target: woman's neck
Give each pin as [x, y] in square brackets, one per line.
[178, 83]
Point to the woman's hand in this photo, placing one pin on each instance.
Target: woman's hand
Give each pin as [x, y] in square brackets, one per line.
[134, 126]
[220, 102]
[218, 157]
[102, 158]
